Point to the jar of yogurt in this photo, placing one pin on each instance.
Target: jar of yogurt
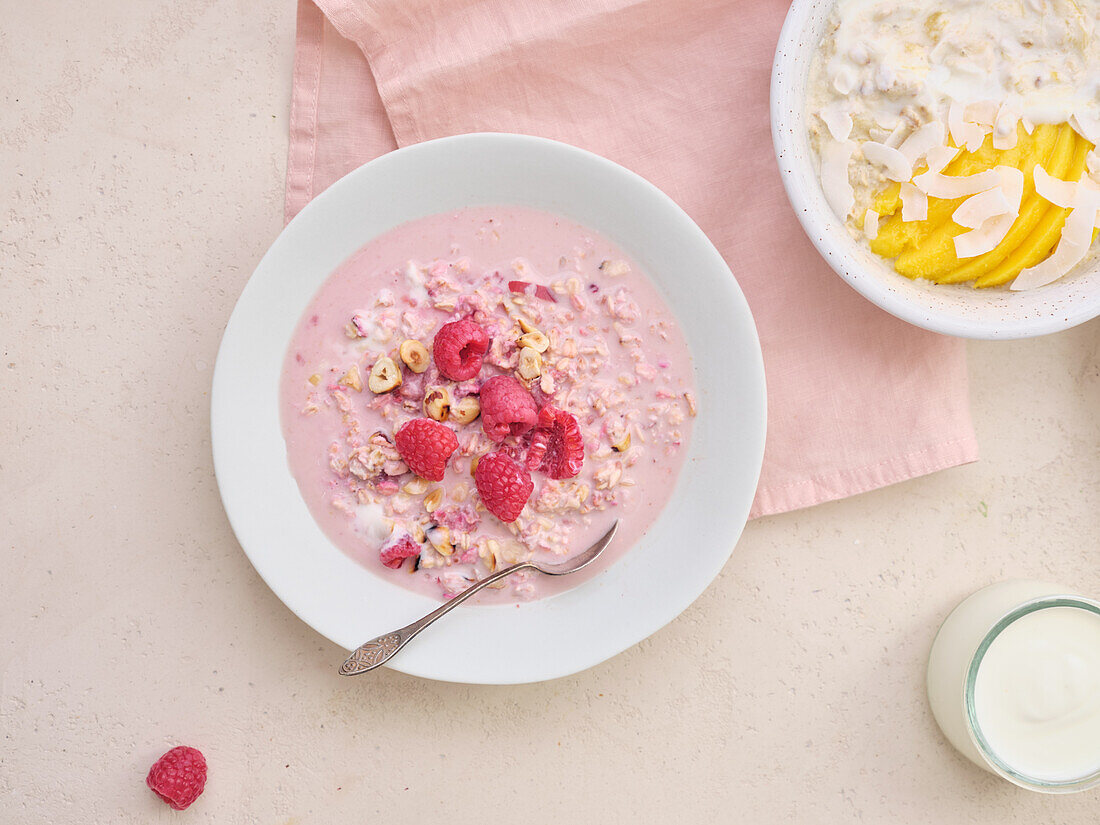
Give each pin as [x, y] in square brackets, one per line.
[1014, 683]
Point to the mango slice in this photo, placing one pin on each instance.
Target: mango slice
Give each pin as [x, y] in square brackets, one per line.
[1041, 242]
[896, 235]
[1032, 208]
[926, 249]
[935, 256]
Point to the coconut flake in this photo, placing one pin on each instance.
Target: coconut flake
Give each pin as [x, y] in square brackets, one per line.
[1065, 258]
[1028, 124]
[898, 168]
[899, 133]
[835, 157]
[870, 224]
[995, 228]
[1074, 244]
[938, 158]
[964, 133]
[1092, 163]
[837, 120]
[1087, 126]
[983, 112]
[985, 238]
[979, 208]
[922, 141]
[914, 203]
[953, 186]
[1060, 192]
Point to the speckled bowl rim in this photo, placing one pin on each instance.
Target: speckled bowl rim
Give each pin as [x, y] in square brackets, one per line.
[648, 586]
[951, 310]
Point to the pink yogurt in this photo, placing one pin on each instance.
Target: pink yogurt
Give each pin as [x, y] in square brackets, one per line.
[616, 360]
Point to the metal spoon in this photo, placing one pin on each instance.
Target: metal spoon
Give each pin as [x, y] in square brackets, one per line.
[381, 649]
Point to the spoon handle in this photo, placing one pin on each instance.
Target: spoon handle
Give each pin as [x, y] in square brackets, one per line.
[381, 649]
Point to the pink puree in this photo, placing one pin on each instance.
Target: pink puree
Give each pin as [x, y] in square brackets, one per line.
[617, 360]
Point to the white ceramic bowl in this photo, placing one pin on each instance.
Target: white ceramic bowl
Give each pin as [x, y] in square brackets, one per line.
[949, 309]
[656, 579]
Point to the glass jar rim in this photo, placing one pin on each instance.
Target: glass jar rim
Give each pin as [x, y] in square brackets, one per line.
[973, 727]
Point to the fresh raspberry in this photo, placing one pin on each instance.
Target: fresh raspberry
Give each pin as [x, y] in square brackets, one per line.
[458, 349]
[557, 447]
[504, 485]
[426, 446]
[506, 408]
[398, 547]
[178, 777]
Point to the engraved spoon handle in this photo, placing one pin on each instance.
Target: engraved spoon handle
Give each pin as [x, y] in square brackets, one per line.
[381, 649]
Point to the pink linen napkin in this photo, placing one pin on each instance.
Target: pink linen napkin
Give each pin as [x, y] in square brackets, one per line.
[676, 90]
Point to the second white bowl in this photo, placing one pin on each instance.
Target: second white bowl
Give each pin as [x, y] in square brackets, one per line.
[949, 309]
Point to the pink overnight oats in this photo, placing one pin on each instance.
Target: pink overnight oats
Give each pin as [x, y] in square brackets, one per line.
[588, 393]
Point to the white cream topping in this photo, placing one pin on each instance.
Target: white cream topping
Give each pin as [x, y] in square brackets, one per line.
[414, 277]
[372, 522]
[1041, 56]
[1037, 694]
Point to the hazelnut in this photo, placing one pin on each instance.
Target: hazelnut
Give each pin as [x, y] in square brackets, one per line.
[352, 380]
[415, 355]
[437, 403]
[614, 269]
[433, 500]
[535, 340]
[530, 364]
[622, 444]
[466, 410]
[384, 376]
[440, 538]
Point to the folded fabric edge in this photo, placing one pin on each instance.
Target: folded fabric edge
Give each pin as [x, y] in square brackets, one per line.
[833, 486]
[350, 20]
[305, 91]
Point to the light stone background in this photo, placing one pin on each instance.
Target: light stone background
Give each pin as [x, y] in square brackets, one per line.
[142, 150]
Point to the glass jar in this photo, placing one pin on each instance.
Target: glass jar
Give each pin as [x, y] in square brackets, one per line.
[1014, 683]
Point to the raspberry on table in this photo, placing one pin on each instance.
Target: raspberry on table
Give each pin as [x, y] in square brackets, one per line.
[557, 447]
[178, 777]
[503, 484]
[459, 348]
[426, 446]
[398, 547]
[507, 408]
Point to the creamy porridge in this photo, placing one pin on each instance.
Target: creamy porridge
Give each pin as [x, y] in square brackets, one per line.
[481, 387]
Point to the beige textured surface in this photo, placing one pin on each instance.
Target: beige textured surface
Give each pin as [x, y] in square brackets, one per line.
[143, 151]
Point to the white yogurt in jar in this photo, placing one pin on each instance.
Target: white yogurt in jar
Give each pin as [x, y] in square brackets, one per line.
[1014, 683]
[1037, 694]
